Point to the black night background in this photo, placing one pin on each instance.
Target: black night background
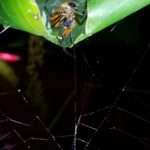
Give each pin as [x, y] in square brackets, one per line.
[96, 99]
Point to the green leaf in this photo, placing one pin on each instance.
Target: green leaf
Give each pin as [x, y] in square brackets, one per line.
[24, 15]
[32, 16]
[103, 13]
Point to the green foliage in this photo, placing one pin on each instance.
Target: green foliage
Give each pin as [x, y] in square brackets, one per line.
[8, 73]
[32, 16]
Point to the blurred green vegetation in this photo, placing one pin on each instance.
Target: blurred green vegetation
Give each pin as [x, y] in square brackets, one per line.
[7, 72]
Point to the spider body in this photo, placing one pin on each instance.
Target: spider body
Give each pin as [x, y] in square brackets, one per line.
[67, 15]
[64, 17]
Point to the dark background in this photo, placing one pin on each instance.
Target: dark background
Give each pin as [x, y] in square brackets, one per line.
[110, 74]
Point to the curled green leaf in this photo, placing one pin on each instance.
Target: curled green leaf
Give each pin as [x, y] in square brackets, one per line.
[33, 16]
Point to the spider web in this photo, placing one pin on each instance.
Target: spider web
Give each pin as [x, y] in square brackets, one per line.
[90, 129]
[93, 129]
